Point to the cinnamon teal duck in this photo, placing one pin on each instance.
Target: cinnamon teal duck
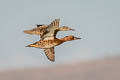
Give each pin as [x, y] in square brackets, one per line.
[48, 31]
[48, 45]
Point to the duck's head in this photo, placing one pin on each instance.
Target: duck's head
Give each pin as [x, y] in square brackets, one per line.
[70, 37]
[66, 28]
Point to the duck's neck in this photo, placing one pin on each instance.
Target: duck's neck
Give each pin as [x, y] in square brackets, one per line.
[61, 29]
[65, 39]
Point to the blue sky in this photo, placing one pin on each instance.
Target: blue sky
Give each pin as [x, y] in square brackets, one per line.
[95, 21]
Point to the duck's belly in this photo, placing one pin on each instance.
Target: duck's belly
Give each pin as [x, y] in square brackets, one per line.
[46, 44]
[49, 45]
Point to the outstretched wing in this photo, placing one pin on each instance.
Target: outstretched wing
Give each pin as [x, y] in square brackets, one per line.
[54, 24]
[50, 53]
[51, 29]
[45, 31]
[37, 31]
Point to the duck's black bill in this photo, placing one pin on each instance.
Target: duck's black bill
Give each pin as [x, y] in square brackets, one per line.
[72, 29]
[77, 38]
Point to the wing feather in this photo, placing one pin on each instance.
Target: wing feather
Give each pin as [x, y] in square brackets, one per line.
[51, 30]
[55, 23]
[50, 53]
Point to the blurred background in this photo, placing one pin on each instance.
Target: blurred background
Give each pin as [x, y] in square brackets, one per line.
[95, 57]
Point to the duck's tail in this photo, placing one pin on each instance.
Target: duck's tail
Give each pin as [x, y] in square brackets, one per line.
[31, 45]
[28, 46]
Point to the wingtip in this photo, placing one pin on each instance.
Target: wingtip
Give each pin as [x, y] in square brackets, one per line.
[58, 19]
[52, 60]
[25, 31]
